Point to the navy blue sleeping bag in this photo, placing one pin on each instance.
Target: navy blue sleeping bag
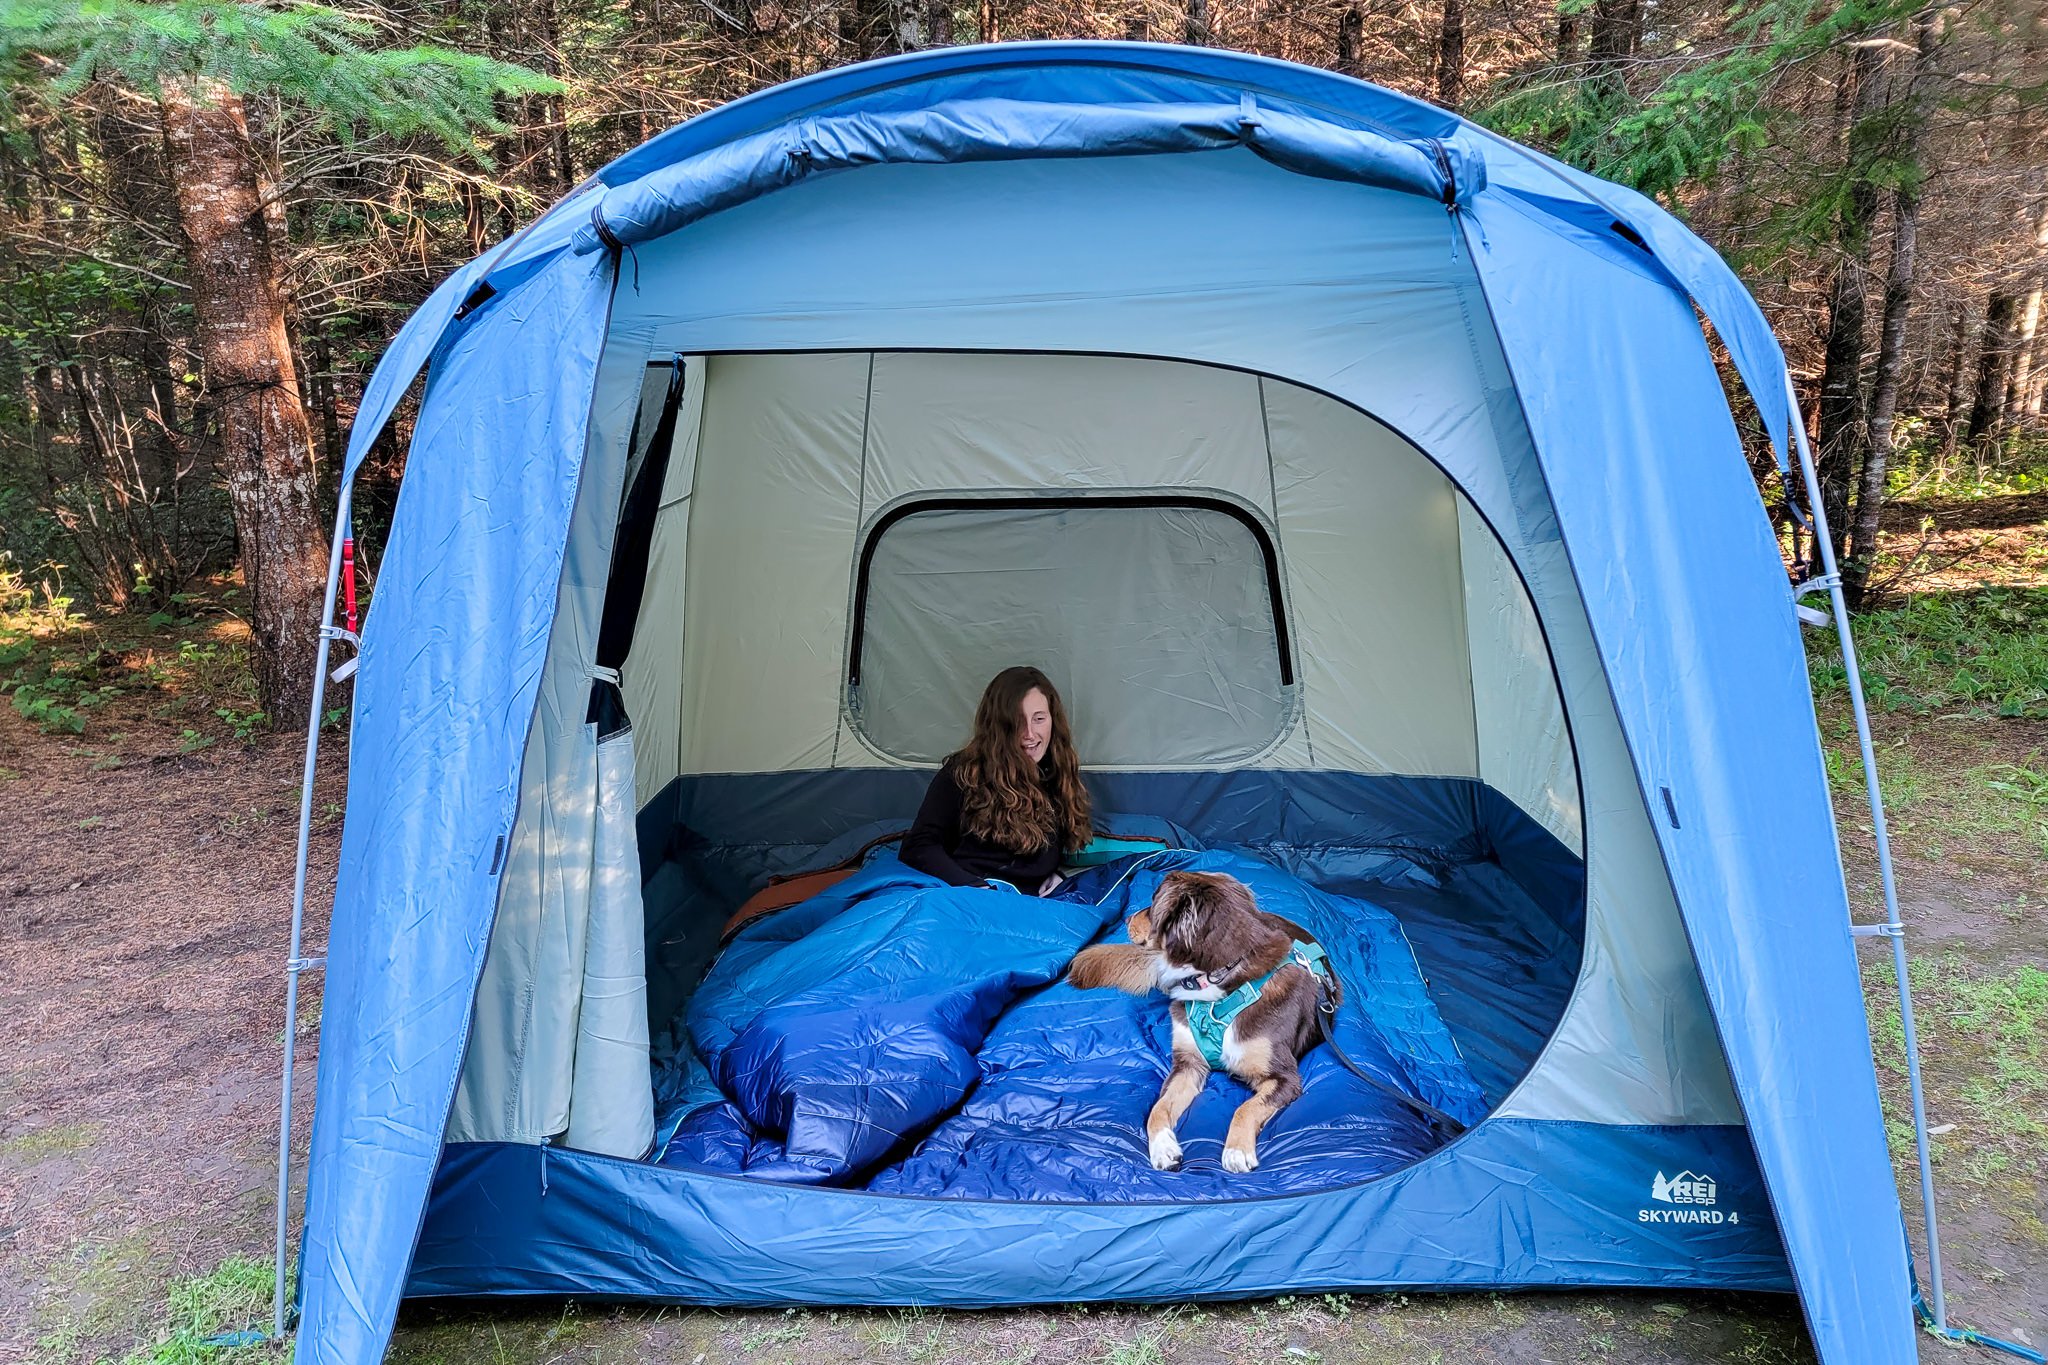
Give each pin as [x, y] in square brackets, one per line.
[905, 1036]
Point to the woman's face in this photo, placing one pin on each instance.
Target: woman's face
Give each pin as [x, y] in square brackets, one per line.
[1035, 724]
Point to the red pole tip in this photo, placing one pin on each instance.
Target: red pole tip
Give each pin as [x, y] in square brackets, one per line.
[348, 581]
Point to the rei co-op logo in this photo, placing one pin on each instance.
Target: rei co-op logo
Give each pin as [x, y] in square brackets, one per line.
[1692, 1197]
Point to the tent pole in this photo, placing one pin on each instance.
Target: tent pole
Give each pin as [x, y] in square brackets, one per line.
[296, 965]
[1892, 927]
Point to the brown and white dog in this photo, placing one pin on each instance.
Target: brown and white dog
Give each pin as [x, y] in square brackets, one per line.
[1202, 937]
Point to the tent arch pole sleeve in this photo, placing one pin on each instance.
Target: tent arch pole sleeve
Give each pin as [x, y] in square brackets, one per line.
[1450, 169]
[296, 964]
[1892, 927]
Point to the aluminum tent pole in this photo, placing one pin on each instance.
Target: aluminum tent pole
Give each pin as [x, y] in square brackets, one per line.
[297, 965]
[1892, 928]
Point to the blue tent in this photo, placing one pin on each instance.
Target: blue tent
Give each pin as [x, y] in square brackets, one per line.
[1367, 483]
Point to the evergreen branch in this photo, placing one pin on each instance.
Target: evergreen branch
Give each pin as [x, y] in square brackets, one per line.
[307, 55]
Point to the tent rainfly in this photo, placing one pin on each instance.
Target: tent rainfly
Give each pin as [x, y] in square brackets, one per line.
[1365, 482]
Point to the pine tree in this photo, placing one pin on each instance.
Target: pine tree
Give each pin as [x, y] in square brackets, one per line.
[199, 61]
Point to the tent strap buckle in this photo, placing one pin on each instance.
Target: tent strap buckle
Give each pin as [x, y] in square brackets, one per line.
[341, 633]
[1818, 583]
[1877, 930]
[298, 965]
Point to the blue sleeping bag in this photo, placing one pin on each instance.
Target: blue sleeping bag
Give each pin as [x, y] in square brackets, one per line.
[901, 1035]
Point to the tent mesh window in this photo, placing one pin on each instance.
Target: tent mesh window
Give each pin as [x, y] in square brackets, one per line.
[1166, 613]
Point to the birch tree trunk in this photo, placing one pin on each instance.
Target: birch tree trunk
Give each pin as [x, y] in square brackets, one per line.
[2025, 337]
[266, 447]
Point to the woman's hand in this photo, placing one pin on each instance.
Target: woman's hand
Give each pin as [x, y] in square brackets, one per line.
[1047, 887]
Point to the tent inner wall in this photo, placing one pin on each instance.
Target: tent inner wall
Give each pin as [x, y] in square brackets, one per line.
[1383, 312]
[804, 463]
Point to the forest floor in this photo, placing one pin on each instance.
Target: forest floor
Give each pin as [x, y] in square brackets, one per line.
[147, 828]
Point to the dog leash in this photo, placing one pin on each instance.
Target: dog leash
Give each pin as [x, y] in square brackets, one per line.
[1326, 1012]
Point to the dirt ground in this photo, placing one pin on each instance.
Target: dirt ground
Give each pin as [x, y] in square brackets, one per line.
[145, 882]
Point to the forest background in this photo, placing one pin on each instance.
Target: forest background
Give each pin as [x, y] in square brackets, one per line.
[214, 215]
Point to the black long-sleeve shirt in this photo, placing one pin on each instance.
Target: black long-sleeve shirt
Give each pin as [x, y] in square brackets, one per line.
[939, 846]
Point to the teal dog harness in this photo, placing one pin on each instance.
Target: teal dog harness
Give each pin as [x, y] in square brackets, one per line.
[1208, 1020]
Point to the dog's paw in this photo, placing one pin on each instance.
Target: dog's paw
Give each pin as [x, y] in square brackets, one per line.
[1238, 1160]
[1165, 1152]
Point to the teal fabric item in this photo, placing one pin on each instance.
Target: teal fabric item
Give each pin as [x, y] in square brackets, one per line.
[1209, 1019]
[1100, 850]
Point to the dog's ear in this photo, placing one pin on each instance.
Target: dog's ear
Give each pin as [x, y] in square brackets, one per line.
[1182, 901]
[1174, 911]
[1116, 966]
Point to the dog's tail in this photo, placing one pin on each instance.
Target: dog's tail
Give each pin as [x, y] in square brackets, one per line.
[1117, 966]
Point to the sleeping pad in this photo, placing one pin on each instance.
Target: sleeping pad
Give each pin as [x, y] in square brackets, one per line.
[901, 1035]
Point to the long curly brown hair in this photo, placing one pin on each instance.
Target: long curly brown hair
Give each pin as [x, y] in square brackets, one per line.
[1002, 798]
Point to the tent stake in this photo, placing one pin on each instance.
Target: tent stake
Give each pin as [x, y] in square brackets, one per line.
[297, 964]
[1892, 928]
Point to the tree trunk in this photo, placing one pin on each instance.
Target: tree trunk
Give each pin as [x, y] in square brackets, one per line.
[1909, 125]
[1994, 352]
[2025, 336]
[879, 28]
[1617, 31]
[1839, 439]
[1450, 55]
[1567, 37]
[330, 410]
[1197, 26]
[49, 419]
[1350, 33]
[266, 446]
[1957, 401]
[555, 108]
[1884, 400]
[938, 23]
[107, 549]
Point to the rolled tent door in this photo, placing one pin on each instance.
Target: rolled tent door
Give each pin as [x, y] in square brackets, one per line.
[559, 1048]
[612, 1098]
[611, 1106]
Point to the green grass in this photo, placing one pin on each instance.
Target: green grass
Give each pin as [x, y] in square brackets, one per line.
[38, 1144]
[1949, 803]
[1983, 652]
[116, 1291]
[235, 1297]
[1984, 1058]
[1918, 472]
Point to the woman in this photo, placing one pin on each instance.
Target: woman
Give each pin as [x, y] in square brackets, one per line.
[1009, 805]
